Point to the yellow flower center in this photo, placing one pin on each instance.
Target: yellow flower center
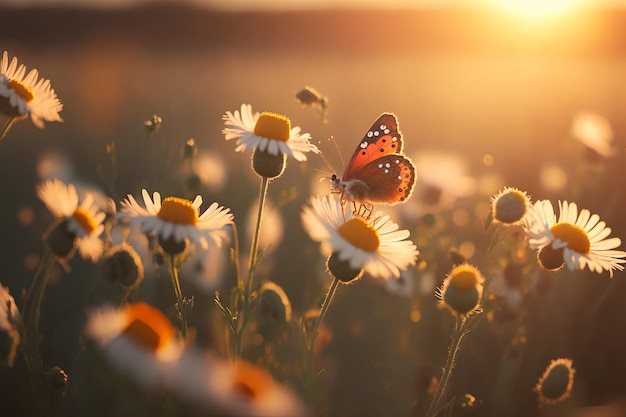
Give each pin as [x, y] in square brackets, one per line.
[178, 211]
[360, 234]
[21, 90]
[464, 277]
[273, 126]
[84, 219]
[576, 238]
[148, 327]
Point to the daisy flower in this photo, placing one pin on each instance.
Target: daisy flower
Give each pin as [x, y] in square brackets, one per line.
[136, 339]
[576, 239]
[178, 219]
[82, 224]
[24, 94]
[234, 389]
[595, 132]
[9, 327]
[444, 178]
[374, 245]
[267, 132]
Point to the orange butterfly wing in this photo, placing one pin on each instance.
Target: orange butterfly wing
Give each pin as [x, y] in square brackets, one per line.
[383, 138]
[390, 179]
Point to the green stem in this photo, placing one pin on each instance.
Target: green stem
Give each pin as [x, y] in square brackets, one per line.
[496, 239]
[236, 254]
[34, 297]
[247, 291]
[181, 304]
[31, 335]
[7, 126]
[457, 335]
[257, 232]
[308, 375]
[113, 176]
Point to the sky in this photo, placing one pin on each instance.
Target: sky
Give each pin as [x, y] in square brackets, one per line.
[321, 4]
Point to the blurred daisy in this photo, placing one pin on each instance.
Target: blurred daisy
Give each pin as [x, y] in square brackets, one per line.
[374, 245]
[443, 178]
[595, 132]
[78, 225]
[178, 219]
[267, 132]
[235, 389]
[576, 239]
[9, 324]
[403, 286]
[506, 285]
[22, 94]
[136, 339]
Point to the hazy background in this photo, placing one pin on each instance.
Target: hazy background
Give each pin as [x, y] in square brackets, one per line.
[495, 89]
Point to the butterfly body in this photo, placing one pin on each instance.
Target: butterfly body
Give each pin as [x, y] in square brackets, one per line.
[378, 171]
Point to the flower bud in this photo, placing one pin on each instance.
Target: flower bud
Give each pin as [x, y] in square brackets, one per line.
[123, 266]
[342, 269]
[510, 206]
[274, 304]
[172, 246]
[193, 183]
[274, 311]
[267, 165]
[555, 385]
[60, 240]
[153, 124]
[56, 377]
[462, 289]
[190, 149]
[550, 259]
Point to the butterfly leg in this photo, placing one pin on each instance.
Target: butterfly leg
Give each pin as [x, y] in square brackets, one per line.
[364, 210]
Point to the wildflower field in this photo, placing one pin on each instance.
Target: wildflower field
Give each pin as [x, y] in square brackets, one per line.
[336, 212]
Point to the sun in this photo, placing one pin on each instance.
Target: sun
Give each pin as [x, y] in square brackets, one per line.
[537, 9]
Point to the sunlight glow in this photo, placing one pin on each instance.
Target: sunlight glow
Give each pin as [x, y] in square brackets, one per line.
[537, 9]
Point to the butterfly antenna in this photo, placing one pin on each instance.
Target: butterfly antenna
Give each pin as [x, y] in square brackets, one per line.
[332, 139]
[328, 165]
[325, 176]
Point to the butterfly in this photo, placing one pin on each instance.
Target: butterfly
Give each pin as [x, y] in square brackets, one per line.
[378, 171]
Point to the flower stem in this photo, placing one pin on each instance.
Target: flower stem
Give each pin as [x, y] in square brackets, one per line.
[34, 298]
[30, 332]
[254, 258]
[257, 231]
[181, 302]
[308, 371]
[7, 126]
[457, 335]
